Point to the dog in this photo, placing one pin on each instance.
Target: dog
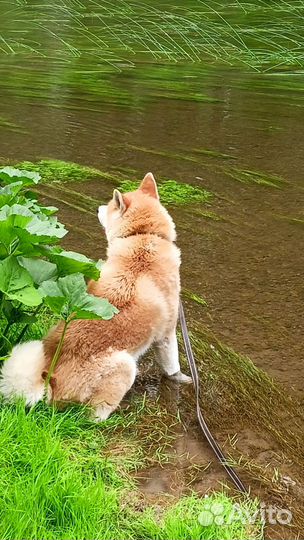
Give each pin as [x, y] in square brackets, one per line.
[98, 361]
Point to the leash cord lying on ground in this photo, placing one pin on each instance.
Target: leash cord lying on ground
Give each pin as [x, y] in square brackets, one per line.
[211, 440]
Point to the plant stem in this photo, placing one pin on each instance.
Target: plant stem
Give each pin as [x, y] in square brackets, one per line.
[57, 354]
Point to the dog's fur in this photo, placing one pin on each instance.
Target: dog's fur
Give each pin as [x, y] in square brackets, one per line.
[97, 364]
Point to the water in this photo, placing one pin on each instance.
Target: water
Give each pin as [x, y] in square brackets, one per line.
[247, 265]
[196, 122]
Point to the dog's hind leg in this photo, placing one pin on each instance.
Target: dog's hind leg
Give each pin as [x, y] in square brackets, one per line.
[115, 381]
[168, 358]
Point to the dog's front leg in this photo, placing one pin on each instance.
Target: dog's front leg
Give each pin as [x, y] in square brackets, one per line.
[168, 360]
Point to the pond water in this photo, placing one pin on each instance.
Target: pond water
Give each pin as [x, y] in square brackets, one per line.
[226, 130]
[235, 132]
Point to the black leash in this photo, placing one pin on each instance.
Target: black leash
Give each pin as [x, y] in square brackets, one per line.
[211, 440]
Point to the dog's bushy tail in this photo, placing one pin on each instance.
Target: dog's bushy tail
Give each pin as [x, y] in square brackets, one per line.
[21, 375]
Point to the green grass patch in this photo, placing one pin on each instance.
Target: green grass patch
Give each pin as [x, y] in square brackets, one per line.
[194, 297]
[57, 482]
[243, 393]
[55, 170]
[63, 477]
[172, 192]
[215, 512]
[52, 484]
[260, 35]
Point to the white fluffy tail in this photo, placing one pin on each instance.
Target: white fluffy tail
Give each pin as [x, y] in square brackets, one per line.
[21, 374]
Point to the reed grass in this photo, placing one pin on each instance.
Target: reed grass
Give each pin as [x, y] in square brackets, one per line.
[261, 35]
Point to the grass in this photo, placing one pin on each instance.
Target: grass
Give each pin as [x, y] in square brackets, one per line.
[243, 393]
[59, 482]
[246, 400]
[55, 170]
[257, 34]
[247, 176]
[195, 297]
[52, 485]
[65, 477]
[214, 511]
[172, 192]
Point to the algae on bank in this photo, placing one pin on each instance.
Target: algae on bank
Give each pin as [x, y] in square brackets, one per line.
[56, 170]
[172, 192]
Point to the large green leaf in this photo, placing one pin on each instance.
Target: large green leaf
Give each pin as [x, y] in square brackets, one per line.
[9, 175]
[49, 229]
[15, 210]
[28, 296]
[69, 298]
[20, 216]
[39, 269]
[57, 304]
[16, 239]
[17, 221]
[17, 284]
[8, 193]
[91, 306]
[13, 276]
[69, 262]
[8, 235]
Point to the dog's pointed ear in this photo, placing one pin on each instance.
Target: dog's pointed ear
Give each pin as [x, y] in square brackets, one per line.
[119, 201]
[148, 186]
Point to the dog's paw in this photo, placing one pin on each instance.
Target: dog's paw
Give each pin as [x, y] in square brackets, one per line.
[180, 377]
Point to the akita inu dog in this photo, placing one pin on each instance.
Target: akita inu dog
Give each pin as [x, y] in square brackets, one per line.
[98, 361]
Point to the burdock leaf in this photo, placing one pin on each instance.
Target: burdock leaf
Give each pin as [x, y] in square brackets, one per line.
[46, 230]
[28, 296]
[10, 174]
[17, 284]
[52, 296]
[69, 262]
[39, 269]
[91, 307]
[69, 295]
[9, 192]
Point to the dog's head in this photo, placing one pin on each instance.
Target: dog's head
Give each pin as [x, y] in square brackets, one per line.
[137, 212]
